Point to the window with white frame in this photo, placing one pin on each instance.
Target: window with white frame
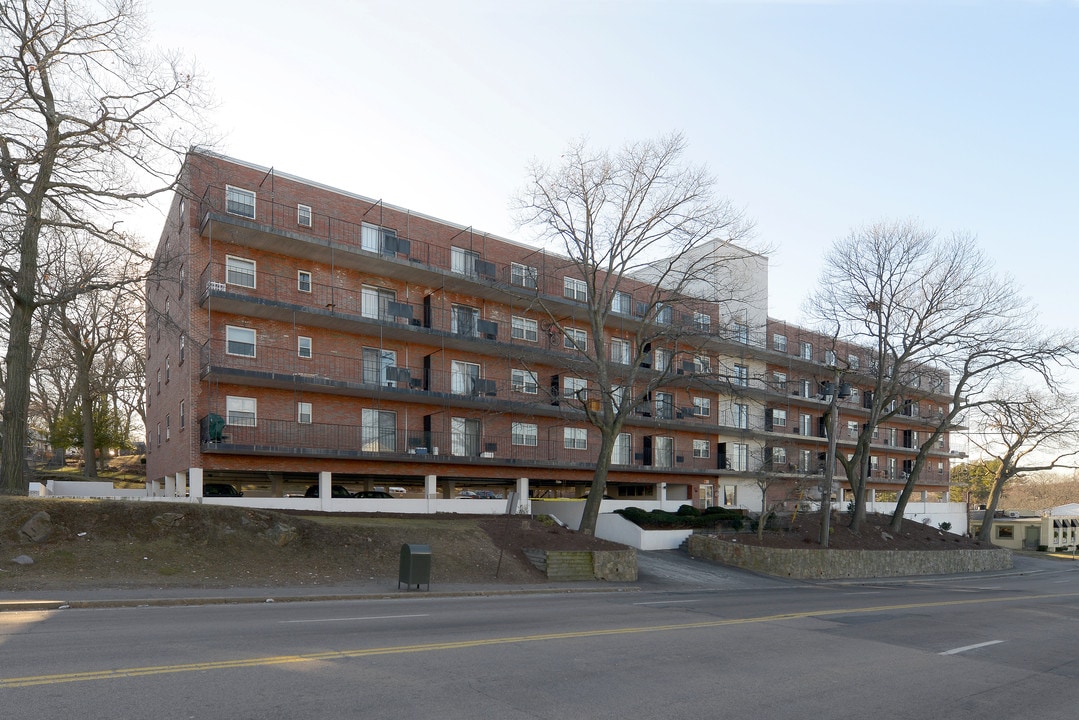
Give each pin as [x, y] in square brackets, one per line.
[375, 238]
[805, 460]
[663, 359]
[241, 411]
[741, 333]
[303, 347]
[623, 450]
[893, 468]
[852, 428]
[303, 413]
[576, 388]
[702, 406]
[807, 388]
[575, 289]
[524, 329]
[739, 458]
[620, 351]
[621, 303]
[940, 467]
[239, 271]
[741, 416]
[779, 417]
[239, 341]
[664, 406]
[464, 261]
[463, 377]
[168, 427]
[183, 414]
[779, 380]
[618, 396]
[806, 351]
[239, 202]
[524, 434]
[829, 357]
[575, 339]
[730, 495]
[523, 275]
[702, 364]
[853, 361]
[663, 314]
[465, 436]
[779, 456]
[663, 451]
[741, 376]
[779, 342]
[700, 448]
[575, 438]
[524, 381]
[376, 365]
[805, 424]
[375, 302]
[303, 281]
[464, 320]
[378, 430]
[702, 322]
[303, 215]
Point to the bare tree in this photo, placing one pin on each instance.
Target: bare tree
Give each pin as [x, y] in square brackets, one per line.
[1025, 431]
[920, 304]
[91, 124]
[638, 223]
[1042, 491]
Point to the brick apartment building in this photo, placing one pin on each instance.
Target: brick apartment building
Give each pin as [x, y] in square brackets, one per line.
[295, 329]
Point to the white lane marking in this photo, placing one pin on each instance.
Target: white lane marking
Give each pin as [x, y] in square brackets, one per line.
[956, 651]
[666, 602]
[351, 619]
[868, 592]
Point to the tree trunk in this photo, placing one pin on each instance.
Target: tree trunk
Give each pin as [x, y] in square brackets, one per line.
[14, 475]
[599, 485]
[904, 496]
[986, 530]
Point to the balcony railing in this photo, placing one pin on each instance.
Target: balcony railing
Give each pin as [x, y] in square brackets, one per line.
[284, 437]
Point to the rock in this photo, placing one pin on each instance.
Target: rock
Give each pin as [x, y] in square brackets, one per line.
[23, 560]
[885, 535]
[281, 534]
[167, 520]
[37, 529]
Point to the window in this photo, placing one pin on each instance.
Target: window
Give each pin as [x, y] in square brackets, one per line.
[741, 375]
[168, 369]
[168, 427]
[779, 456]
[303, 215]
[741, 416]
[303, 413]
[703, 323]
[779, 418]
[741, 333]
[739, 457]
[779, 380]
[618, 396]
[621, 303]
[575, 289]
[239, 341]
[159, 381]
[940, 468]
[575, 438]
[168, 309]
[663, 314]
[375, 302]
[524, 434]
[464, 261]
[524, 381]
[663, 452]
[620, 351]
[239, 202]
[183, 414]
[664, 406]
[463, 376]
[239, 271]
[1005, 532]
[779, 342]
[623, 449]
[829, 357]
[807, 351]
[464, 320]
[702, 364]
[241, 411]
[807, 389]
[303, 347]
[730, 495]
[523, 275]
[700, 448]
[376, 365]
[804, 460]
[663, 359]
[159, 434]
[853, 361]
[852, 428]
[378, 430]
[465, 434]
[303, 281]
[524, 329]
[575, 388]
[183, 347]
[702, 407]
[182, 279]
[893, 468]
[805, 424]
[575, 339]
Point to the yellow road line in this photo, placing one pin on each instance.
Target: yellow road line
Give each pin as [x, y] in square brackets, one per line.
[30, 681]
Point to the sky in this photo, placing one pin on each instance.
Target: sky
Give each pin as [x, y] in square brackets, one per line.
[816, 118]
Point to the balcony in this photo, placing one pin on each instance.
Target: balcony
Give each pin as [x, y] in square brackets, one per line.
[322, 440]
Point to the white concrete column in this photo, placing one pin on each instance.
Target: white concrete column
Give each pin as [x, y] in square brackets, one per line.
[325, 481]
[430, 491]
[170, 486]
[523, 506]
[181, 484]
[662, 488]
[155, 488]
[194, 476]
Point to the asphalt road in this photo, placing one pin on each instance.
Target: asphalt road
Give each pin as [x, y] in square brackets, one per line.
[702, 643]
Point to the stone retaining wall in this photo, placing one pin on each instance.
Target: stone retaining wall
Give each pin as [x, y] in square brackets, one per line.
[823, 564]
[575, 566]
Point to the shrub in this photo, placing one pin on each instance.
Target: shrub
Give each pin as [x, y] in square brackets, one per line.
[945, 526]
[689, 510]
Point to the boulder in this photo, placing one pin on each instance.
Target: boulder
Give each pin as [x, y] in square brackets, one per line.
[37, 529]
[281, 534]
[167, 520]
[23, 560]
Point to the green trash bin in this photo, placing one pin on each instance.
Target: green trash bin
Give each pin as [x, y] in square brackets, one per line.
[415, 566]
